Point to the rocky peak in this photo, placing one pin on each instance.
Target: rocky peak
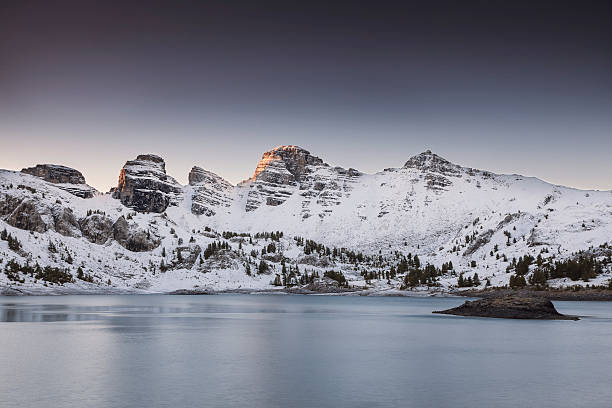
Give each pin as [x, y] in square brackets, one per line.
[145, 186]
[287, 170]
[428, 161]
[293, 160]
[436, 169]
[54, 173]
[198, 175]
[210, 192]
[67, 178]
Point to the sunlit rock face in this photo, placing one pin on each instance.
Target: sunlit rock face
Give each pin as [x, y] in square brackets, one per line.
[288, 170]
[145, 186]
[287, 162]
[210, 192]
[66, 178]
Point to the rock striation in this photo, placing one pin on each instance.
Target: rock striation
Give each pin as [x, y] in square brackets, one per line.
[210, 192]
[145, 186]
[66, 178]
[509, 307]
[288, 170]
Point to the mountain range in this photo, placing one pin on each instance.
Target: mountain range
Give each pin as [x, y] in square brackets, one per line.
[152, 234]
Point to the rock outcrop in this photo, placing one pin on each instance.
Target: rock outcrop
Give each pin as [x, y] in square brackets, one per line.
[210, 192]
[145, 186]
[97, 228]
[28, 216]
[65, 222]
[287, 170]
[35, 216]
[189, 254]
[66, 178]
[133, 238]
[509, 307]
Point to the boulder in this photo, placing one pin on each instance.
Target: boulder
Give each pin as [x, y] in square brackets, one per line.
[65, 222]
[97, 228]
[132, 238]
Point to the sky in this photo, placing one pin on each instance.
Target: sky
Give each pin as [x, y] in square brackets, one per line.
[506, 86]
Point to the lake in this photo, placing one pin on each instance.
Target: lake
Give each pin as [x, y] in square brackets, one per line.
[295, 351]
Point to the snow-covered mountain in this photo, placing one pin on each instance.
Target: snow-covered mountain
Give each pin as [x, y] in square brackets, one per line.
[151, 233]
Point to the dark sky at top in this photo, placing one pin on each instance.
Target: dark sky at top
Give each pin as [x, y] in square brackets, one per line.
[511, 86]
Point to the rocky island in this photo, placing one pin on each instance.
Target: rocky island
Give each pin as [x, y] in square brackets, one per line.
[509, 307]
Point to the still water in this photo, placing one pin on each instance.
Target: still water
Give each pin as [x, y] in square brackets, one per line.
[295, 351]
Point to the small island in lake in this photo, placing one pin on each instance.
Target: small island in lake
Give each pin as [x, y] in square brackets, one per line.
[509, 307]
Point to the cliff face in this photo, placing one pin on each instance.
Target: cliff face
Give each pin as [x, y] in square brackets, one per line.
[145, 186]
[288, 170]
[66, 178]
[210, 192]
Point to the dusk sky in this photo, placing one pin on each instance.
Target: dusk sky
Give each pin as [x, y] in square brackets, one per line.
[511, 87]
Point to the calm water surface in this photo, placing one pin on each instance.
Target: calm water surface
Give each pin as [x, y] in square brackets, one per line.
[295, 351]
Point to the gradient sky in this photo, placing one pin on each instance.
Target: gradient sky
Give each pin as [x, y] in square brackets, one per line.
[511, 87]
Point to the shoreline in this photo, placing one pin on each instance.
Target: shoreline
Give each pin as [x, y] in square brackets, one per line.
[597, 294]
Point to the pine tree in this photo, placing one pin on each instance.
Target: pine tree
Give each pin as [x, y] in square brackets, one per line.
[517, 281]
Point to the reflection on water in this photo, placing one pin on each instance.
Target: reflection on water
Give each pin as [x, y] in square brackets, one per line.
[295, 351]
